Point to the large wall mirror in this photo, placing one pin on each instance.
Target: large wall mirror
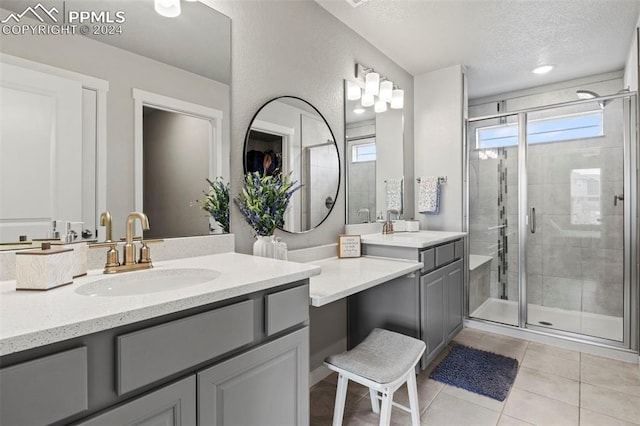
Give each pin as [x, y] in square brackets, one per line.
[289, 135]
[134, 115]
[374, 160]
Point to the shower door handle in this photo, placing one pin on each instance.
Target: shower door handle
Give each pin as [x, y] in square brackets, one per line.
[616, 198]
[532, 220]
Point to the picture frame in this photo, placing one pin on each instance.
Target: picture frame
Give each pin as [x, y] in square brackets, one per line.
[349, 246]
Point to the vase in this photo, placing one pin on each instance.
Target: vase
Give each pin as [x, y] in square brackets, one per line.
[263, 246]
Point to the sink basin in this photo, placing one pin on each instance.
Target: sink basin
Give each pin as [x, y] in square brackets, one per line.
[145, 282]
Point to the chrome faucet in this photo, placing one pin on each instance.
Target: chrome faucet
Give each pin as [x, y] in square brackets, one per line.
[105, 220]
[387, 228]
[365, 210]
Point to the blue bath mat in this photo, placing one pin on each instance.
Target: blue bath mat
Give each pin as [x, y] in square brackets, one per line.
[477, 371]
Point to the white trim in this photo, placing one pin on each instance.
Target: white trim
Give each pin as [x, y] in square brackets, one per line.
[214, 116]
[287, 134]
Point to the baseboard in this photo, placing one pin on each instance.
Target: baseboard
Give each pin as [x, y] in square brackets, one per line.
[318, 375]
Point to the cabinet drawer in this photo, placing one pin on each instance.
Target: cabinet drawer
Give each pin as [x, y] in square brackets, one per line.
[151, 354]
[458, 249]
[286, 308]
[444, 254]
[428, 258]
[44, 390]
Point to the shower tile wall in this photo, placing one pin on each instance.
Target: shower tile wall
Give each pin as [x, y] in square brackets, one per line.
[324, 169]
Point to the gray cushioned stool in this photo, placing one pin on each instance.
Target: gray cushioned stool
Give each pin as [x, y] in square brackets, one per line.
[383, 362]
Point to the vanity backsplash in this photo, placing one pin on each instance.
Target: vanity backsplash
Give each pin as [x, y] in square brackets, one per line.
[171, 248]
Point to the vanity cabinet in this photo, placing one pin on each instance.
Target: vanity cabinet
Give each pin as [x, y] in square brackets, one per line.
[428, 306]
[243, 361]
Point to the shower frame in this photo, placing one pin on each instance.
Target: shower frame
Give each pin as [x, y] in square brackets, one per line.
[631, 317]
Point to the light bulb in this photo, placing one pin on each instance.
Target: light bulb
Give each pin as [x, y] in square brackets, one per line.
[380, 106]
[168, 8]
[367, 100]
[372, 83]
[397, 99]
[386, 91]
[353, 91]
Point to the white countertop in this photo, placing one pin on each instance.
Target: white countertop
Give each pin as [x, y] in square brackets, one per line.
[343, 277]
[419, 240]
[30, 319]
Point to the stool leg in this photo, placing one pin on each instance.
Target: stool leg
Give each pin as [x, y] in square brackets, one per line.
[341, 397]
[412, 389]
[387, 400]
[375, 404]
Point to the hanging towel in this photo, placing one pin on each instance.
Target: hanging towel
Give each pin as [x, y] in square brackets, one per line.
[394, 193]
[429, 195]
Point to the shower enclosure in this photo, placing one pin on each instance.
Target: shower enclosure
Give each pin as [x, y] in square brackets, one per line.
[552, 219]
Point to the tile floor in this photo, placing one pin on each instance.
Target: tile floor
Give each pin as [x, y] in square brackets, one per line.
[554, 386]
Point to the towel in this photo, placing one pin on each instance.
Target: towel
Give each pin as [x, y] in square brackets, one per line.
[429, 195]
[394, 193]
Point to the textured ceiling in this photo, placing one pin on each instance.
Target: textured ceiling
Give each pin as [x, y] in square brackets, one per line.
[499, 41]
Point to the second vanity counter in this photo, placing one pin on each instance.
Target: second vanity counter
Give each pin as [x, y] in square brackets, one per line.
[29, 319]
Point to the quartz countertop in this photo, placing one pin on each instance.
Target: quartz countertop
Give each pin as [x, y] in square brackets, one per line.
[419, 240]
[343, 277]
[29, 319]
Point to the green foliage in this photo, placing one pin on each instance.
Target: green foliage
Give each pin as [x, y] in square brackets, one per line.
[264, 199]
[216, 202]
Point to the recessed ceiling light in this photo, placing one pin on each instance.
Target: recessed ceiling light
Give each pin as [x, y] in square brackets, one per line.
[358, 110]
[542, 69]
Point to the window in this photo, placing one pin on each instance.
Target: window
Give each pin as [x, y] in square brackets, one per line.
[554, 129]
[363, 152]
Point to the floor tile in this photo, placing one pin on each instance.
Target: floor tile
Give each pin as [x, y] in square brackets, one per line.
[591, 418]
[511, 421]
[549, 385]
[469, 337]
[481, 400]
[615, 404]
[504, 345]
[552, 364]
[611, 374]
[539, 410]
[554, 350]
[428, 389]
[447, 410]
[361, 414]
[322, 399]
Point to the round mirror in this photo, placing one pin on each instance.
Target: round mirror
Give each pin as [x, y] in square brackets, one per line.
[289, 135]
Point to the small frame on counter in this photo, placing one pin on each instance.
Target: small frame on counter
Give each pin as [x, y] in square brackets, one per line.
[349, 245]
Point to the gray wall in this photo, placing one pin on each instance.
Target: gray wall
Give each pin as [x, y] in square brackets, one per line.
[297, 48]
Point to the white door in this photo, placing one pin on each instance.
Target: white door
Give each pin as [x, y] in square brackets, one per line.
[40, 151]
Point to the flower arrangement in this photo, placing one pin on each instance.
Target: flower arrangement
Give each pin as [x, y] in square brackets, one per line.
[216, 202]
[264, 199]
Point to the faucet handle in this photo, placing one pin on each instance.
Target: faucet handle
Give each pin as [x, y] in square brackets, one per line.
[145, 252]
[112, 254]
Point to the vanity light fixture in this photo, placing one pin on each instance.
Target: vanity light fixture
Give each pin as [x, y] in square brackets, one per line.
[367, 100]
[386, 91]
[372, 83]
[167, 8]
[542, 69]
[378, 90]
[397, 99]
[353, 91]
[380, 106]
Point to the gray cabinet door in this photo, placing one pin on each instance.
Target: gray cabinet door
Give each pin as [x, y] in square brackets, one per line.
[454, 284]
[266, 386]
[172, 405]
[432, 290]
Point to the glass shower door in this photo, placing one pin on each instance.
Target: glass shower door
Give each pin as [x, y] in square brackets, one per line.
[493, 219]
[575, 276]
